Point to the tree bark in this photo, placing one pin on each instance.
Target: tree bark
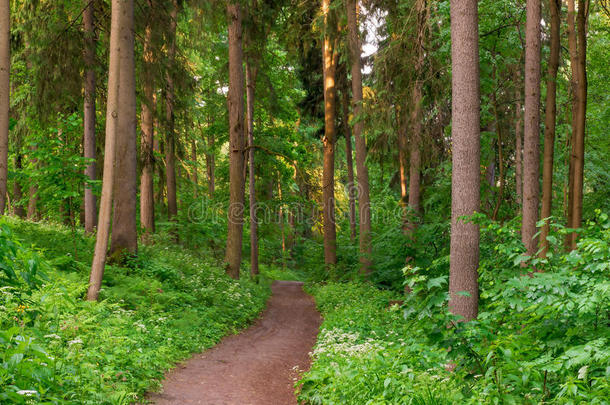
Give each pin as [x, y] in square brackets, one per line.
[170, 142]
[250, 89]
[195, 175]
[531, 128]
[18, 209]
[351, 186]
[549, 124]
[5, 67]
[89, 113]
[499, 129]
[124, 231]
[465, 182]
[210, 162]
[112, 115]
[518, 139]
[329, 54]
[364, 202]
[578, 58]
[147, 198]
[416, 121]
[236, 142]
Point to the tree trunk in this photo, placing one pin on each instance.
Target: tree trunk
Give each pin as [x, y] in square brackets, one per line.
[236, 142]
[531, 128]
[195, 175]
[329, 54]
[518, 139]
[112, 114]
[578, 57]
[18, 209]
[250, 89]
[465, 182]
[364, 202]
[351, 186]
[124, 231]
[170, 142]
[210, 162]
[496, 112]
[5, 67]
[147, 116]
[89, 114]
[416, 121]
[549, 124]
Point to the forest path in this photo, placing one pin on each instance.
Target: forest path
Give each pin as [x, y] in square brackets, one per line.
[257, 366]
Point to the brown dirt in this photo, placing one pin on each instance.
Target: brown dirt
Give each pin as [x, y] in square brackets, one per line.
[258, 366]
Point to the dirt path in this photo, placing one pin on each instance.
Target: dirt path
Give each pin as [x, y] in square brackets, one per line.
[258, 365]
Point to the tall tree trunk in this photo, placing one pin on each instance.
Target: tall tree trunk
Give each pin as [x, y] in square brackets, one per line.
[5, 67]
[147, 116]
[195, 174]
[112, 115]
[330, 56]
[170, 142]
[416, 121]
[403, 165]
[236, 142]
[531, 128]
[578, 57]
[124, 231]
[17, 192]
[250, 89]
[351, 191]
[518, 138]
[210, 163]
[364, 202]
[89, 113]
[499, 129]
[465, 181]
[549, 124]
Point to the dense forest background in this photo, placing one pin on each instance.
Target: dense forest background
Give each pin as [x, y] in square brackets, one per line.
[458, 168]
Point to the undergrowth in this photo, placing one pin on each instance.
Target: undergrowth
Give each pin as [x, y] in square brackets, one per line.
[57, 348]
[540, 337]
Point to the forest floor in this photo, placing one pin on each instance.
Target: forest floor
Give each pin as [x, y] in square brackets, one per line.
[259, 365]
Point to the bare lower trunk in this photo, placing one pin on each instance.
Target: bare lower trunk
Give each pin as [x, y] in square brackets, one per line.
[147, 202]
[195, 174]
[364, 202]
[329, 54]
[124, 231]
[18, 209]
[500, 196]
[403, 166]
[112, 114]
[5, 66]
[170, 142]
[236, 142]
[351, 190]
[531, 128]
[465, 182]
[89, 114]
[518, 139]
[250, 88]
[210, 164]
[549, 124]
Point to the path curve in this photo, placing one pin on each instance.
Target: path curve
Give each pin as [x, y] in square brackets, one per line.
[257, 366]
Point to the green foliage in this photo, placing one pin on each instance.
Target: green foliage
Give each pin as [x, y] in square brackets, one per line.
[57, 348]
[541, 336]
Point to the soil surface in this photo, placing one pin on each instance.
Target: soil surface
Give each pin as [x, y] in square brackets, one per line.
[258, 366]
